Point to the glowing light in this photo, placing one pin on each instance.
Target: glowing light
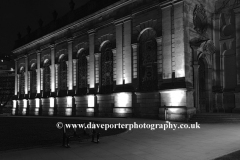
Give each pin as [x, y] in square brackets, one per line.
[123, 99]
[91, 101]
[69, 101]
[37, 102]
[25, 103]
[122, 110]
[51, 102]
[13, 111]
[11, 69]
[68, 112]
[14, 103]
[24, 111]
[50, 111]
[90, 110]
[173, 110]
[180, 73]
[175, 97]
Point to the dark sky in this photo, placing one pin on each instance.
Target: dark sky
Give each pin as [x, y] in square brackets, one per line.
[16, 15]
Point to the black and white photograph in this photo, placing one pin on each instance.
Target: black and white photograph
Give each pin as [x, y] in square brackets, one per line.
[120, 80]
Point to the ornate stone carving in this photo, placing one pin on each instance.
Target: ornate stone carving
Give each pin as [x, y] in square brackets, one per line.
[200, 19]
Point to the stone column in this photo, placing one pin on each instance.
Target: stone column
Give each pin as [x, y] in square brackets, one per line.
[159, 55]
[56, 78]
[74, 72]
[119, 57]
[127, 51]
[16, 77]
[97, 67]
[26, 75]
[114, 64]
[91, 59]
[237, 94]
[237, 22]
[216, 55]
[178, 50]
[167, 42]
[196, 86]
[135, 60]
[52, 68]
[38, 72]
[70, 66]
[41, 79]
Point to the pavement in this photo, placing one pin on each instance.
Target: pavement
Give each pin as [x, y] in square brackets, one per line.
[208, 142]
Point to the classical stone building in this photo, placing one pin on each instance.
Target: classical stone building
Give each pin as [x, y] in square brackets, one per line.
[132, 58]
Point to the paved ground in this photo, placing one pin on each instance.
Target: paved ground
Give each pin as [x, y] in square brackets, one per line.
[209, 142]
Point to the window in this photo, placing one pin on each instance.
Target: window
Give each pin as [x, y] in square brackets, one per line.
[148, 61]
[33, 79]
[106, 68]
[82, 72]
[22, 81]
[63, 74]
[46, 76]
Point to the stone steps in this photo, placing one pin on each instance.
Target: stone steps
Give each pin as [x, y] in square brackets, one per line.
[215, 118]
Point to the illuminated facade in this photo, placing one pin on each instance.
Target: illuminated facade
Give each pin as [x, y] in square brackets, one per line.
[133, 58]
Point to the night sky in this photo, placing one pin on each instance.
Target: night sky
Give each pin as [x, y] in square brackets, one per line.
[16, 15]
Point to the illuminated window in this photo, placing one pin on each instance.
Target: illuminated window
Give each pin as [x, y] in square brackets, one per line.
[33, 79]
[63, 73]
[148, 61]
[82, 71]
[106, 68]
[46, 76]
[22, 81]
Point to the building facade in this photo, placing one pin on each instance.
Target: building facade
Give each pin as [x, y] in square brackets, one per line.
[6, 84]
[133, 58]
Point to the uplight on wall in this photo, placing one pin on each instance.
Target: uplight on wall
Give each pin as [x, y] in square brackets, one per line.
[37, 101]
[180, 73]
[91, 101]
[174, 97]
[51, 102]
[122, 99]
[69, 101]
[25, 103]
[14, 104]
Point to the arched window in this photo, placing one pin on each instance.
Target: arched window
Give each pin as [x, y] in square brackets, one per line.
[82, 71]
[33, 79]
[148, 61]
[22, 81]
[46, 76]
[106, 68]
[63, 74]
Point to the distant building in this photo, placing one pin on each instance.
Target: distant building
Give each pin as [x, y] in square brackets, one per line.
[6, 84]
[132, 58]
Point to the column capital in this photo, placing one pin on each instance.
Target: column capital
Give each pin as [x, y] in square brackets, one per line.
[70, 39]
[159, 39]
[52, 46]
[195, 66]
[114, 51]
[87, 57]
[134, 45]
[39, 52]
[97, 54]
[92, 31]
[74, 61]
